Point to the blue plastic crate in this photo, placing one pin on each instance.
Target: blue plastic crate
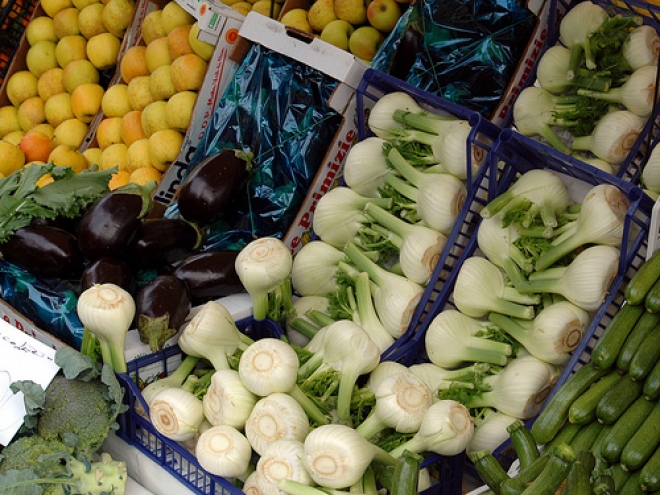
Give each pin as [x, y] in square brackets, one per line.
[138, 431]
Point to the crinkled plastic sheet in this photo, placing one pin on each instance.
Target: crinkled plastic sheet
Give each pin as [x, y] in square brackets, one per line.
[277, 109]
[50, 303]
[464, 51]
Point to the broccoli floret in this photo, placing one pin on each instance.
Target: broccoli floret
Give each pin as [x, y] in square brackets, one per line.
[38, 466]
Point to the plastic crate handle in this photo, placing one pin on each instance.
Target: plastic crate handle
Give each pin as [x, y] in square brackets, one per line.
[654, 235]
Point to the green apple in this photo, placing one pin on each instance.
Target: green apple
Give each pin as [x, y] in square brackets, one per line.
[8, 120]
[71, 132]
[180, 110]
[114, 156]
[152, 26]
[58, 109]
[78, 72]
[90, 20]
[201, 48]
[40, 28]
[157, 53]
[353, 11]
[321, 13]
[365, 41]
[139, 94]
[137, 155]
[265, 7]
[154, 117]
[115, 102]
[70, 48]
[81, 4]
[161, 84]
[65, 22]
[117, 15]
[11, 158]
[21, 85]
[40, 57]
[102, 50]
[164, 147]
[108, 132]
[337, 33]
[296, 18]
[383, 14]
[174, 15]
[86, 101]
[31, 112]
[50, 83]
[52, 7]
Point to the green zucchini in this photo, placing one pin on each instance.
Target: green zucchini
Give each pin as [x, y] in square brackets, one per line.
[644, 441]
[586, 437]
[603, 484]
[552, 417]
[642, 281]
[489, 469]
[607, 348]
[619, 475]
[583, 409]
[624, 428]
[529, 474]
[566, 434]
[617, 399]
[646, 323]
[652, 299]
[632, 486]
[597, 446]
[649, 477]
[651, 389]
[406, 474]
[554, 473]
[646, 356]
[578, 481]
[523, 443]
[513, 486]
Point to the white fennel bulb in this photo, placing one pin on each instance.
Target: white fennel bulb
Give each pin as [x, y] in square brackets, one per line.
[301, 307]
[651, 170]
[574, 31]
[451, 150]
[282, 460]
[438, 378]
[551, 69]
[268, 365]
[365, 168]
[382, 371]
[642, 47]
[227, 401]
[314, 270]
[381, 116]
[251, 484]
[223, 451]
[176, 413]
[491, 431]
[497, 244]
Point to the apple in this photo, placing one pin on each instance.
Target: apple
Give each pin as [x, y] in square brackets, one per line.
[8, 120]
[21, 85]
[177, 41]
[78, 72]
[383, 14]
[296, 18]
[36, 146]
[154, 117]
[115, 102]
[188, 72]
[242, 7]
[40, 28]
[86, 101]
[114, 156]
[31, 112]
[267, 7]
[44, 128]
[72, 47]
[68, 156]
[137, 155]
[81, 4]
[365, 41]
[102, 50]
[134, 63]
[90, 20]
[201, 48]
[337, 33]
[50, 83]
[139, 94]
[15, 137]
[131, 127]
[164, 147]
[52, 7]
[118, 179]
[152, 27]
[174, 15]
[117, 15]
[65, 22]
[11, 158]
[108, 132]
[179, 110]
[321, 13]
[353, 11]
[157, 53]
[58, 109]
[71, 132]
[92, 155]
[40, 57]
[161, 84]
[145, 175]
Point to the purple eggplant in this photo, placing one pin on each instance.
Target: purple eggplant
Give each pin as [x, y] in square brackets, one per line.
[108, 270]
[210, 187]
[44, 251]
[161, 308]
[112, 224]
[209, 275]
[164, 241]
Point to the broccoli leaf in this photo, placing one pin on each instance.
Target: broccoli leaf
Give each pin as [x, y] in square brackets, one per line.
[76, 365]
[115, 392]
[20, 482]
[34, 397]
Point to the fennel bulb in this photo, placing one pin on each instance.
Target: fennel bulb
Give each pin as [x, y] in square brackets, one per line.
[337, 456]
[553, 333]
[401, 401]
[227, 401]
[480, 288]
[365, 168]
[574, 31]
[451, 151]
[642, 47]
[651, 170]
[273, 418]
[366, 315]
[314, 269]
[382, 371]
[282, 460]
[585, 282]
[439, 197]
[446, 429]
[301, 307]
[381, 116]
[551, 69]
[223, 451]
[600, 221]
[490, 431]
[107, 311]
[437, 378]
[176, 413]
[497, 243]
[176, 379]
[395, 297]
[450, 341]
[613, 137]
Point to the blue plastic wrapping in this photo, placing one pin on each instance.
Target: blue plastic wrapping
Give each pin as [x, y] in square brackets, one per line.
[276, 108]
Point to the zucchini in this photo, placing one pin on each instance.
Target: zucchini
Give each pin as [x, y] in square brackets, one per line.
[597, 446]
[513, 486]
[523, 443]
[578, 481]
[619, 475]
[608, 346]
[529, 474]
[651, 389]
[646, 323]
[566, 434]
[646, 356]
[617, 399]
[649, 476]
[603, 484]
[652, 299]
[632, 486]
[585, 438]
[642, 281]
[583, 409]
[551, 418]
[624, 428]
[489, 469]
[644, 441]
[554, 473]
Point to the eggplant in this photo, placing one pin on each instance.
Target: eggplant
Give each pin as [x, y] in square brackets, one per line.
[164, 241]
[161, 306]
[209, 275]
[108, 270]
[111, 225]
[406, 53]
[44, 251]
[211, 185]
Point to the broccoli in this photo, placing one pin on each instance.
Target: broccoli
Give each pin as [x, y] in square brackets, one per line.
[33, 465]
